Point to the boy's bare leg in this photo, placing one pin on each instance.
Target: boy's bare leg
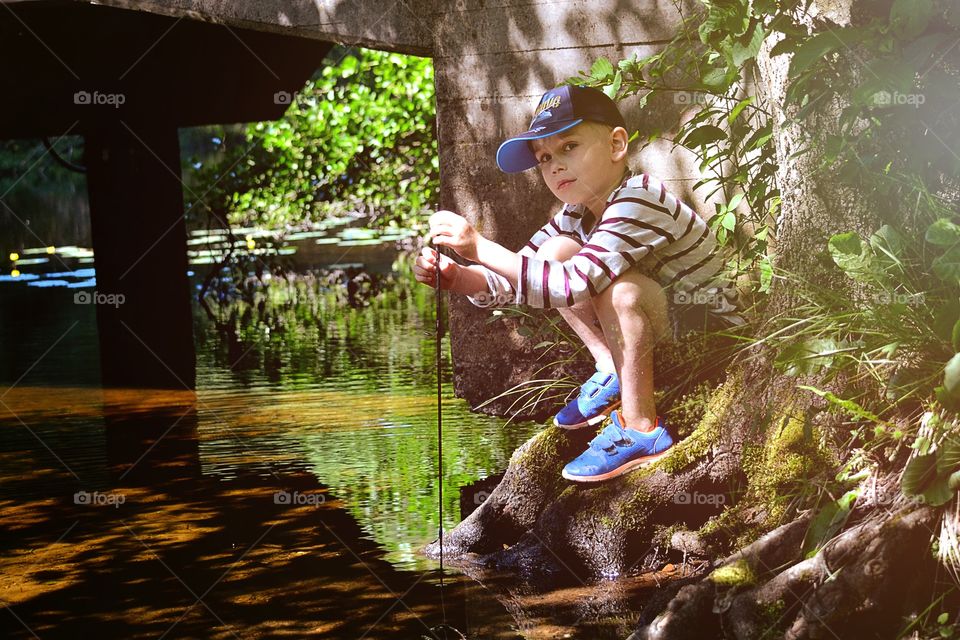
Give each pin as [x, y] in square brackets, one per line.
[633, 313]
[582, 317]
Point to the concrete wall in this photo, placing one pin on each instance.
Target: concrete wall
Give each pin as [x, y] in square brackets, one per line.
[493, 59]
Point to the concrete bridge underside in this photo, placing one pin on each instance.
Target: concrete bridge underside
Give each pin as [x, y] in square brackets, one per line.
[190, 62]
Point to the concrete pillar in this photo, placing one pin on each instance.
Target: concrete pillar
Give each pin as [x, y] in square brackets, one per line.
[139, 242]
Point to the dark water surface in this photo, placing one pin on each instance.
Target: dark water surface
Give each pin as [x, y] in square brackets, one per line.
[285, 497]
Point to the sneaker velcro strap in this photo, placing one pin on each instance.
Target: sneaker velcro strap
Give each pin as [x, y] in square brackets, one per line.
[603, 442]
[616, 435]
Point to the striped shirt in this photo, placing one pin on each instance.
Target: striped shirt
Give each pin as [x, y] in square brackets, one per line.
[642, 224]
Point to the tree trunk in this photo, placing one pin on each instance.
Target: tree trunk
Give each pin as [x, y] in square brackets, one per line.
[753, 441]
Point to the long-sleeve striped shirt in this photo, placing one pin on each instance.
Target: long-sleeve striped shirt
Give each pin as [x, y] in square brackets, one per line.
[642, 223]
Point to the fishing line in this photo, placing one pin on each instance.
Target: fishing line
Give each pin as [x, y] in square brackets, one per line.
[438, 336]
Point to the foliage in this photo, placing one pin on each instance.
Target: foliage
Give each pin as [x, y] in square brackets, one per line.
[358, 137]
[896, 128]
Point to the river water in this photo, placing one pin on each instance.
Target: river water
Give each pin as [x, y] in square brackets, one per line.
[286, 495]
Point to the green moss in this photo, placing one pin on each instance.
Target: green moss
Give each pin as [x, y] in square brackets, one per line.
[780, 470]
[698, 443]
[635, 511]
[687, 411]
[772, 615]
[736, 574]
[543, 450]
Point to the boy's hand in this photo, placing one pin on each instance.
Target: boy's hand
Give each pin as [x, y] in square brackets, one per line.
[452, 230]
[425, 269]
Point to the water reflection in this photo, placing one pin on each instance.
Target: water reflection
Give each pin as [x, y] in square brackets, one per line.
[302, 470]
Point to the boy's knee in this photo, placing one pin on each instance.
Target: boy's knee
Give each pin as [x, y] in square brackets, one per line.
[634, 294]
[558, 248]
[634, 291]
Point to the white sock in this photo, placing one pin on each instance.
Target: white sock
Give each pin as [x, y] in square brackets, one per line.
[606, 367]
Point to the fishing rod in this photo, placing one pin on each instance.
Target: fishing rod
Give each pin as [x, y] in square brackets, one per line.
[438, 337]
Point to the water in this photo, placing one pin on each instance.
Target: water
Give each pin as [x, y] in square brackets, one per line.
[294, 486]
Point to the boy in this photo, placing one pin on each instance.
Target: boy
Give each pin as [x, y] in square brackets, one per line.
[597, 261]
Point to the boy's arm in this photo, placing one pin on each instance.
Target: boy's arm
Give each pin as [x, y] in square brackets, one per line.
[499, 259]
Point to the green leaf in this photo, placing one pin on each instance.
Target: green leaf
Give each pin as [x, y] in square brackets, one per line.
[787, 25]
[719, 78]
[759, 137]
[909, 18]
[947, 266]
[704, 135]
[945, 318]
[766, 274]
[613, 88]
[812, 50]
[943, 233]
[738, 108]
[849, 406]
[601, 69]
[807, 356]
[729, 221]
[850, 253]
[888, 240]
[789, 44]
[743, 51]
[938, 492]
[951, 375]
[828, 521]
[822, 44]
[948, 456]
[955, 336]
[919, 474]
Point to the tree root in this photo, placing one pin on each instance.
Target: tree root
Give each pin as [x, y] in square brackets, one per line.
[858, 586]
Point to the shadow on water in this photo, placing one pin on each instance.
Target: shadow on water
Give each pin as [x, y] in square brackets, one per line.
[286, 496]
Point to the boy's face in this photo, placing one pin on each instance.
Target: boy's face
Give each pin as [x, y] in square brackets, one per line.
[582, 165]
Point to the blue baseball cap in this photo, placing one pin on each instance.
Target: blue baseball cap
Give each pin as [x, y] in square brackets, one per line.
[558, 110]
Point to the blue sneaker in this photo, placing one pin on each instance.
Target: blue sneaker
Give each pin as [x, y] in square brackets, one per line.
[598, 397]
[617, 450]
